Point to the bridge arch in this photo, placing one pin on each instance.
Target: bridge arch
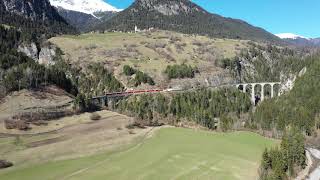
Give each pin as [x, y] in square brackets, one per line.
[262, 87]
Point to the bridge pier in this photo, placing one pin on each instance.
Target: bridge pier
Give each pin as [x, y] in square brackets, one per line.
[272, 90]
[103, 102]
[244, 86]
[253, 89]
[262, 92]
[253, 94]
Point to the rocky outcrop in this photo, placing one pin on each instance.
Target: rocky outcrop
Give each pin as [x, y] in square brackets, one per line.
[44, 55]
[288, 80]
[47, 55]
[30, 50]
[33, 9]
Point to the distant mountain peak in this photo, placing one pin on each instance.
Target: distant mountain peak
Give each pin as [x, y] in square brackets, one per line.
[183, 16]
[84, 6]
[290, 36]
[170, 7]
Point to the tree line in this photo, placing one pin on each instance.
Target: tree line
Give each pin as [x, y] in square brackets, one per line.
[202, 107]
[140, 77]
[21, 72]
[284, 161]
[298, 108]
[298, 111]
[180, 71]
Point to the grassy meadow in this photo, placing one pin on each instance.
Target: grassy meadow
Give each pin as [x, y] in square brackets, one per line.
[149, 52]
[170, 153]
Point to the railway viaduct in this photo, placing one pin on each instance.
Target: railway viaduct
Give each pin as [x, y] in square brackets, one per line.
[104, 100]
[253, 86]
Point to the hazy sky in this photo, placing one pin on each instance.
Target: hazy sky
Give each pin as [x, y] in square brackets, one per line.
[300, 17]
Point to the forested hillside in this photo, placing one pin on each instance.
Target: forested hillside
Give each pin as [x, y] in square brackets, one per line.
[265, 63]
[82, 21]
[21, 72]
[39, 20]
[292, 115]
[298, 108]
[186, 17]
[202, 107]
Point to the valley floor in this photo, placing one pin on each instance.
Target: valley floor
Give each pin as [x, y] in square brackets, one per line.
[96, 150]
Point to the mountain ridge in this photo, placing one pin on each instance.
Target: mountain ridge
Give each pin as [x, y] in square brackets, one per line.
[84, 6]
[186, 17]
[299, 40]
[34, 17]
[84, 14]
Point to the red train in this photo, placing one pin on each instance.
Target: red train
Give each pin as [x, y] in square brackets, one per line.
[129, 92]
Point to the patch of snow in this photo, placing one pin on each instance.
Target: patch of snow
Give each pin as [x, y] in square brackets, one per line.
[84, 6]
[290, 36]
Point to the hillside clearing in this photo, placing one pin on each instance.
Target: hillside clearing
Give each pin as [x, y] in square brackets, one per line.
[171, 153]
[148, 52]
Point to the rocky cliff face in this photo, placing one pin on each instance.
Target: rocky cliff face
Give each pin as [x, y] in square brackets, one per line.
[30, 50]
[33, 9]
[45, 55]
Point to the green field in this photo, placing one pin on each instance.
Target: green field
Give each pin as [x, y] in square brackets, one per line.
[171, 153]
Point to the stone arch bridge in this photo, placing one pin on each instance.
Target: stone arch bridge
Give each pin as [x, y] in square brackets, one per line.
[253, 86]
[103, 100]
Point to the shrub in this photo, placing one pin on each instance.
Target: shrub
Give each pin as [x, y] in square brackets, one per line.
[16, 124]
[95, 117]
[226, 123]
[140, 77]
[180, 71]
[130, 126]
[119, 128]
[5, 164]
[128, 71]
[143, 78]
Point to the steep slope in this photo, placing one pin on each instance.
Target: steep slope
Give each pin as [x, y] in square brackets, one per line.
[84, 6]
[79, 20]
[186, 17]
[316, 41]
[37, 17]
[32, 9]
[84, 14]
[82, 21]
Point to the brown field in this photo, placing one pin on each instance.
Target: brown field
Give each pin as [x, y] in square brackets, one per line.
[33, 101]
[68, 138]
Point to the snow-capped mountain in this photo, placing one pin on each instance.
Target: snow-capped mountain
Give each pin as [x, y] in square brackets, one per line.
[84, 6]
[290, 36]
[84, 14]
[298, 40]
